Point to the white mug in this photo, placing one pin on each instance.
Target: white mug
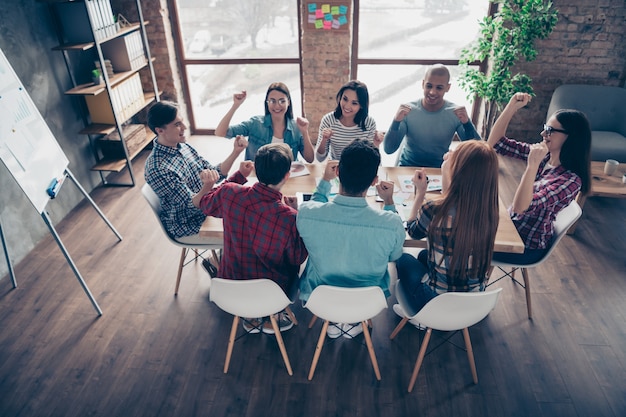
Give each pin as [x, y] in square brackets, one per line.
[624, 179]
[610, 166]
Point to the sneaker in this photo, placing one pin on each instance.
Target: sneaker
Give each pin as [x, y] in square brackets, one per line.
[334, 330]
[210, 268]
[352, 330]
[284, 323]
[397, 308]
[251, 325]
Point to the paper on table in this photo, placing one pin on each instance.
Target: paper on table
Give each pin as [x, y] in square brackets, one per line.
[298, 169]
[406, 185]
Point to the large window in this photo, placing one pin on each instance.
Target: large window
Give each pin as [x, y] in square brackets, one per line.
[234, 45]
[397, 41]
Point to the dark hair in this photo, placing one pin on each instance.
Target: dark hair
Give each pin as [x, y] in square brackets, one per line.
[473, 196]
[358, 166]
[272, 162]
[363, 97]
[161, 113]
[283, 89]
[576, 150]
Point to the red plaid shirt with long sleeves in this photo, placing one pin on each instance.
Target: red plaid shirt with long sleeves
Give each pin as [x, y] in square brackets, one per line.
[260, 235]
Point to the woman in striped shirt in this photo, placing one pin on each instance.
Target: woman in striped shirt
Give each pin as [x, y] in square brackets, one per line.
[349, 121]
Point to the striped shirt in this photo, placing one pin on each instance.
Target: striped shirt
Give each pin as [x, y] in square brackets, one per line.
[554, 188]
[342, 136]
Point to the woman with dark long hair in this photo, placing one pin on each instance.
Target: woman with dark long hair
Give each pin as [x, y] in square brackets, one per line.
[460, 226]
[349, 121]
[557, 170]
[276, 126]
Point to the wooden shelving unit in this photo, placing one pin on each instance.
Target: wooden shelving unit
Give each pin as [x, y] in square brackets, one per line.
[98, 34]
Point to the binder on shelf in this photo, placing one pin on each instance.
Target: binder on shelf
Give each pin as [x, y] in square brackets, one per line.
[127, 98]
[125, 52]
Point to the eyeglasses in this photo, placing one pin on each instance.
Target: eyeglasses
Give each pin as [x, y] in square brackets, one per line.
[281, 101]
[550, 129]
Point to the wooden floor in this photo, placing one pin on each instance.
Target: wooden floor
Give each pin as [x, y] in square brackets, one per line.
[153, 354]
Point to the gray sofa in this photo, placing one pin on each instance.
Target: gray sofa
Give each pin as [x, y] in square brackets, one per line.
[605, 108]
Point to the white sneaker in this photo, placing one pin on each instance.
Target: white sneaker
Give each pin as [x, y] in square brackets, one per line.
[334, 330]
[351, 330]
[397, 308]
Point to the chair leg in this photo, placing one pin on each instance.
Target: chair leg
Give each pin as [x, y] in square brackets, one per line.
[318, 348]
[398, 327]
[527, 288]
[312, 322]
[470, 354]
[281, 344]
[420, 359]
[291, 315]
[370, 348]
[183, 255]
[231, 343]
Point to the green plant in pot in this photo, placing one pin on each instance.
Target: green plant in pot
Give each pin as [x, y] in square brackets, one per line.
[96, 76]
[504, 39]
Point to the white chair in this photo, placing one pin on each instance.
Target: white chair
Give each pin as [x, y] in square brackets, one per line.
[251, 299]
[345, 305]
[451, 311]
[155, 204]
[565, 219]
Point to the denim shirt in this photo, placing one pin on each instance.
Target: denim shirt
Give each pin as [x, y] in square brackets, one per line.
[350, 243]
[259, 131]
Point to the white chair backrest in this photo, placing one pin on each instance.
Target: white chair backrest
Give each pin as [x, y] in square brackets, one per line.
[152, 198]
[457, 310]
[248, 298]
[565, 219]
[346, 305]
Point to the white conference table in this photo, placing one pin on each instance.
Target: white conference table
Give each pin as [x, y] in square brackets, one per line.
[507, 238]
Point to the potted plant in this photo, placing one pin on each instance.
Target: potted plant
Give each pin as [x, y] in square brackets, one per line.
[96, 76]
[504, 39]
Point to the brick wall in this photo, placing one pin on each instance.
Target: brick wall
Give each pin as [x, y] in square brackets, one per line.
[587, 46]
[326, 59]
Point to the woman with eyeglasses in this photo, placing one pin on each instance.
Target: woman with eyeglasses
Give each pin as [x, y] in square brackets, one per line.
[557, 169]
[349, 121]
[276, 126]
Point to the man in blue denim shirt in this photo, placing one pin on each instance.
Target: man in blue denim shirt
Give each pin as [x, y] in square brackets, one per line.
[350, 243]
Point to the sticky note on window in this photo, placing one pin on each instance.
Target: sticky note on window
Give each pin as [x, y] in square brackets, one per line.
[312, 7]
[342, 20]
[334, 10]
[343, 9]
[327, 24]
[319, 24]
[328, 17]
[336, 24]
[311, 18]
[325, 8]
[319, 14]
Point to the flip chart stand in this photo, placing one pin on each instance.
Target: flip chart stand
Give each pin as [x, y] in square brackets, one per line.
[6, 255]
[46, 219]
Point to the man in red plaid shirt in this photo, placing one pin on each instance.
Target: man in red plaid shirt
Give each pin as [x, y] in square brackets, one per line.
[260, 235]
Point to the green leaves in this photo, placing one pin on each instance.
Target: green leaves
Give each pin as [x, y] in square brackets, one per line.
[504, 39]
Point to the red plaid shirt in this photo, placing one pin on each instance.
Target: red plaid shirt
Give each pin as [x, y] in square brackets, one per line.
[553, 190]
[260, 235]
